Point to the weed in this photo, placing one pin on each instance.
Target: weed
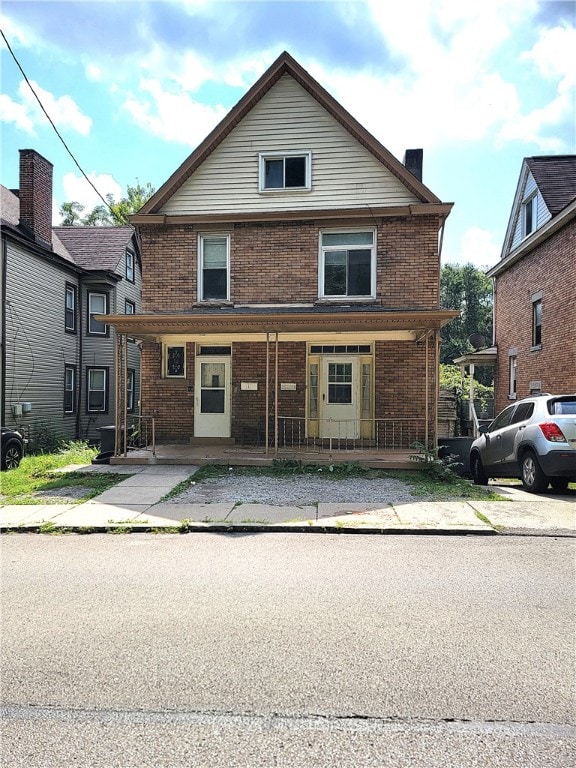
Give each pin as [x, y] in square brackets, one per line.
[47, 527]
[439, 469]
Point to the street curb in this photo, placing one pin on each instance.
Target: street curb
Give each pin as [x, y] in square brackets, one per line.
[246, 528]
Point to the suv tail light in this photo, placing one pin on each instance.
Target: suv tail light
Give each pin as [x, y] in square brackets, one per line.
[552, 432]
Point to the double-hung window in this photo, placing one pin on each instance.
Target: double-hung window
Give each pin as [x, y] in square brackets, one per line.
[347, 264]
[214, 267]
[130, 389]
[529, 215]
[70, 309]
[537, 322]
[69, 389]
[512, 376]
[97, 391]
[97, 305]
[285, 171]
[129, 265]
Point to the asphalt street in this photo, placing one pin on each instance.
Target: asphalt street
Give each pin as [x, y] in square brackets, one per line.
[287, 650]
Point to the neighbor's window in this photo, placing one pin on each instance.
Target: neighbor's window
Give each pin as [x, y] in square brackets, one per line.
[347, 264]
[512, 371]
[69, 389]
[97, 305]
[285, 170]
[214, 267]
[175, 361]
[129, 265]
[70, 309]
[130, 389]
[537, 323]
[529, 215]
[97, 393]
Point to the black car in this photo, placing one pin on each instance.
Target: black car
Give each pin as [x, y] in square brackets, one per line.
[12, 448]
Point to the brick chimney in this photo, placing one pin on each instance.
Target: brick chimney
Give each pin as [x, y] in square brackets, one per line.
[36, 195]
[413, 162]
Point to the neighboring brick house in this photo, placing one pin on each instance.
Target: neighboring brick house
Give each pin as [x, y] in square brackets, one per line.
[535, 284]
[291, 281]
[57, 362]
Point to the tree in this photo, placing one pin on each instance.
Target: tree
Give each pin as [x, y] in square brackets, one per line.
[467, 289]
[113, 213]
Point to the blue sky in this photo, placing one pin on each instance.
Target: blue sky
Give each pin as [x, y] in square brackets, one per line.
[134, 86]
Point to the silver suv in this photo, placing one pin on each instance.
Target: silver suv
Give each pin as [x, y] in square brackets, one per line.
[534, 440]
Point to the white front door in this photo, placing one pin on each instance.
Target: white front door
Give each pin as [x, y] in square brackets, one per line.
[212, 397]
[340, 398]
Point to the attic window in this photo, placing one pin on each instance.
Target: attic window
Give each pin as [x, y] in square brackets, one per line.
[529, 215]
[284, 170]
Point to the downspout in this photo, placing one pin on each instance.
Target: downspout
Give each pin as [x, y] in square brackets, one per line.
[3, 341]
[80, 360]
[267, 388]
[276, 396]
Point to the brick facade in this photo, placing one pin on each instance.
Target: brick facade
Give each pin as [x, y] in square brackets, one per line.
[273, 263]
[549, 269]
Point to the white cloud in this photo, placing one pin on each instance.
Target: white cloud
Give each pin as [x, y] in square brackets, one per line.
[63, 110]
[93, 72]
[77, 189]
[12, 112]
[478, 247]
[172, 116]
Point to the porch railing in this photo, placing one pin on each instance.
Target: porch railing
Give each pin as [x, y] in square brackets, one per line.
[140, 433]
[356, 434]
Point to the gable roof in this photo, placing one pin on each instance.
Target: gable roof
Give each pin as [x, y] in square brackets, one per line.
[555, 180]
[95, 248]
[555, 177]
[285, 64]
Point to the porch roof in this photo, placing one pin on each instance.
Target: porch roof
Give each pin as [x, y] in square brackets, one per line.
[291, 323]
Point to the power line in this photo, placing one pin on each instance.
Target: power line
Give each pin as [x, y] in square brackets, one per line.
[66, 147]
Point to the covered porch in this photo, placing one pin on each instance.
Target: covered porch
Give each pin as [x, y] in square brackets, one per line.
[321, 405]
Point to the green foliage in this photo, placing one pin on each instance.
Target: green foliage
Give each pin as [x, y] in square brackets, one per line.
[44, 438]
[451, 378]
[467, 289]
[115, 213]
[442, 470]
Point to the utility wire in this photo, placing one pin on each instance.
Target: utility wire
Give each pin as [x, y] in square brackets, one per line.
[66, 147]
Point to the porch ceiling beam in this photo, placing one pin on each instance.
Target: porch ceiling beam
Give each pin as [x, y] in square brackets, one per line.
[290, 326]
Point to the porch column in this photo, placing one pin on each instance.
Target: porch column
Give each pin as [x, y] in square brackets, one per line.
[427, 398]
[117, 356]
[124, 386]
[276, 396]
[437, 342]
[267, 390]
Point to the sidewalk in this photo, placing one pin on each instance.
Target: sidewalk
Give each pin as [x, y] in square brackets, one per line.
[134, 504]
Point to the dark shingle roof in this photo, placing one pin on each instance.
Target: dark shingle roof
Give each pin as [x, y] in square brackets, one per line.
[555, 176]
[95, 247]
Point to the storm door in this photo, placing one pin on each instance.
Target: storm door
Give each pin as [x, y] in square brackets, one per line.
[212, 397]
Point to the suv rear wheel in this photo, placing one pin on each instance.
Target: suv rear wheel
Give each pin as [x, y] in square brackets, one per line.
[477, 468]
[533, 479]
[11, 455]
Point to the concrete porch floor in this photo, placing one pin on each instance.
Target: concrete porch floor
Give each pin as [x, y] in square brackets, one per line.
[236, 455]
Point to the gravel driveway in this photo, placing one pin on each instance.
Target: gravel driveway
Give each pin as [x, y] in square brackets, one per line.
[296, 491]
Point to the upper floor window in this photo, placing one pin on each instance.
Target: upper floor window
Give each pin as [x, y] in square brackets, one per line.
[347, 264]
[70, 309]
[529, 215]
[69, 389]
[129, 265]
[97, 305]
[214, 267]
[537, 322]
[285, 170]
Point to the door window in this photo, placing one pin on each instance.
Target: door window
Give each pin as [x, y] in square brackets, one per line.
[212, 387]
[340, 383]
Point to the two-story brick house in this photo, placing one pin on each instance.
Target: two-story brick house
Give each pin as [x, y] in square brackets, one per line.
[57, 361]
[291, 280]
[535, 284]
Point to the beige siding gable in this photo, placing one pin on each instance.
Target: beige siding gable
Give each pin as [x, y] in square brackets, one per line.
[287, 118]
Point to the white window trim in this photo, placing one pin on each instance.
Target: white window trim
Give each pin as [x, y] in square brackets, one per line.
[130, 391]
[91, 295]
[130, 258]
[90, 389]
[512, 377]
[322, 249]
[263, 156]
[202, 236]
[165, 373]
[70, 369]
[531, 200]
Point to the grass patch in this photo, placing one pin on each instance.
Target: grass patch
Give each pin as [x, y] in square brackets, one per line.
[424, 484]
[35, 476]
